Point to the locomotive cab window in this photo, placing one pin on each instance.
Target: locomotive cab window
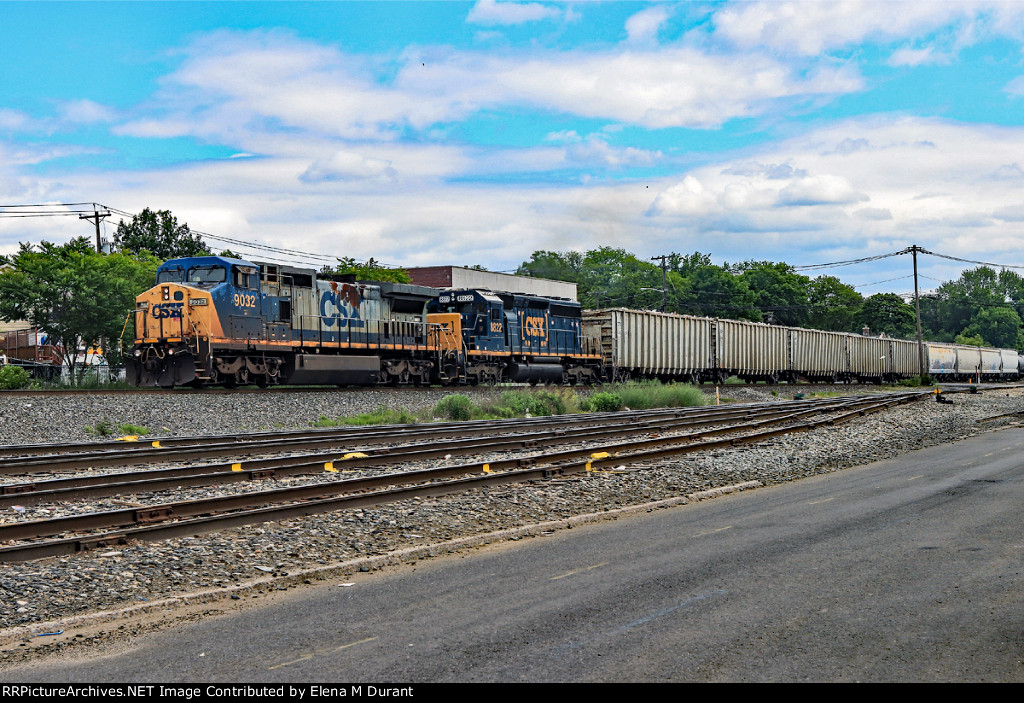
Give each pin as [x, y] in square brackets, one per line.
[207, 275]
[171, 276]
[241, 278]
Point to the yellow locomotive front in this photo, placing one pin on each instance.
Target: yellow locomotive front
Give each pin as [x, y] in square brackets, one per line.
[173, 326]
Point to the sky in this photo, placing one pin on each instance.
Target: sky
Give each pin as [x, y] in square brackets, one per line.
[474, 133]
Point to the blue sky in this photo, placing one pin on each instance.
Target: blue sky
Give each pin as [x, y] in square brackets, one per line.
[475, 133]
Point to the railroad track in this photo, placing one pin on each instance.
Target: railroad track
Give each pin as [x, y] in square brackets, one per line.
[128, 450]
[610, 440]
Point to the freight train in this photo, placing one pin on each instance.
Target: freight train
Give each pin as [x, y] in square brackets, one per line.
[220, 321]
[645, 344]
[214, 320]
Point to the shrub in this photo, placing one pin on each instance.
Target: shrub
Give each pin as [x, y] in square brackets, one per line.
[605, 402]
[519, 403]
[560, 400]
[13, 377]
[456, 407]
[643, 395]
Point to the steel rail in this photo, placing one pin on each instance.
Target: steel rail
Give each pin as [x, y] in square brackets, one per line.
[103, 485]
[197, 521]
[192, 508]
[126, 444]
[181, 449]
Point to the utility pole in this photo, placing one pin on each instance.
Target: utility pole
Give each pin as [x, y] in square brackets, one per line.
[96, 216]
[917, 305]
[664, 282]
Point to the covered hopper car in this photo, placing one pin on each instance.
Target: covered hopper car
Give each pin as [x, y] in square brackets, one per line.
[646, 344]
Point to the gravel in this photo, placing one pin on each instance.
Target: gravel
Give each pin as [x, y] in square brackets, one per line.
[245, 562]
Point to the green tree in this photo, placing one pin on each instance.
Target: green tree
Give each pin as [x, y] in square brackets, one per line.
[617, 278]
[972, 340]
[714, 292]
[962, 299]
[159, 234]
[73, 294]
[366, 271]
[778, 292]
[834, 304]
[998, 327]
[553, 265]
[886, 312]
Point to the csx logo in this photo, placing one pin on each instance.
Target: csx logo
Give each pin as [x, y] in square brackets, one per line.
[167, 310]
[341, 316]
[534, 327]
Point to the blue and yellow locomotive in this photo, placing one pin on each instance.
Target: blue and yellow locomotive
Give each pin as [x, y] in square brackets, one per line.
[522, 338]
[213, 320]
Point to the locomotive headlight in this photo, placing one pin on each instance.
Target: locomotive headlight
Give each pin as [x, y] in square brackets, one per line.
[138, 352]
[170, 352]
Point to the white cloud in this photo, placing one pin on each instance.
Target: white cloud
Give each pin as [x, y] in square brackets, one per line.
[688, 197]
[943, 185]
[595, 149]
[873, 213]
[811, 27]
[563, 136]
[929, 182]
[820, 190]
[346, 165]
[919, 57]
[1015, 87]
[644, 25]
[237, 87]
[85, 112]
[492, 12]
[13, 120]
[676, 87]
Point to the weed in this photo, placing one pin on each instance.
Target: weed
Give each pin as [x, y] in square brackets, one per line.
[605, 402]
[103, 428]
[455, 407]
[644, 395]
[13, 377]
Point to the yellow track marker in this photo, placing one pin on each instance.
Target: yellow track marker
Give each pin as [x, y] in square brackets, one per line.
[129, 438]
[157, 445]
[236, 467]
[329, 466]
[487, 469]
[355, 455]
[600, 455]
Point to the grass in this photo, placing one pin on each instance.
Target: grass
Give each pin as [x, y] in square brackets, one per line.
[533, 402]
[644, 395]
[106, 428]
[380, 416]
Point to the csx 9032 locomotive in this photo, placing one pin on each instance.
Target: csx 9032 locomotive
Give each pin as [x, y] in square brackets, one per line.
[213, 320]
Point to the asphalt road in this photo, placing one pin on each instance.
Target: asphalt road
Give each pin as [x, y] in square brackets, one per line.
[903, 570]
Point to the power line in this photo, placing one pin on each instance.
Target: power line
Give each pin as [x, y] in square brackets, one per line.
[888, 280]
[850, 262]
[971, 261]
